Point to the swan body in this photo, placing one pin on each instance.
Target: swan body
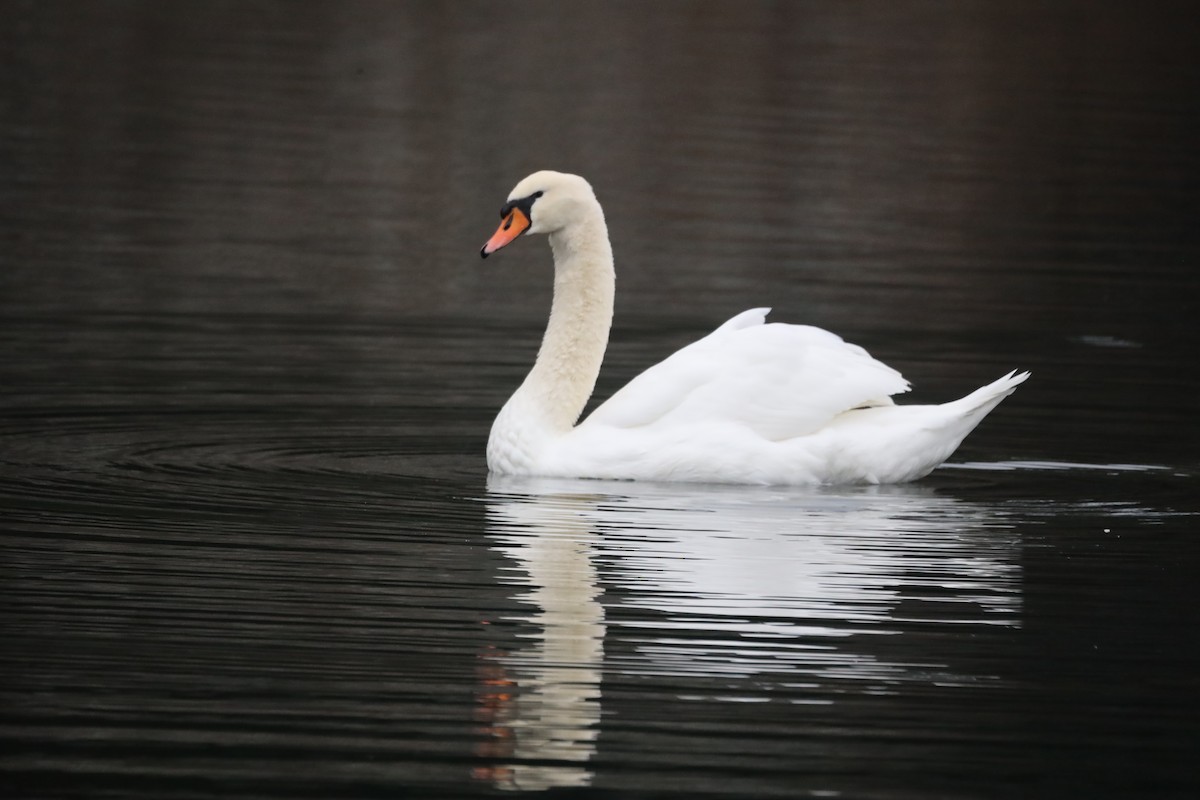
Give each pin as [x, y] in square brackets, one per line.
[752, 402]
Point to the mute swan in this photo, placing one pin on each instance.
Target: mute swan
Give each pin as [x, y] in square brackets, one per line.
[749, 403]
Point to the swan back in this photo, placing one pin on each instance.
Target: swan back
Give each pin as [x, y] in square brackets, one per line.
[777, 381]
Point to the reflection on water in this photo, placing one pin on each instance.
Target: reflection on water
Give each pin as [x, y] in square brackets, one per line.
[782, 585]
[543, 701]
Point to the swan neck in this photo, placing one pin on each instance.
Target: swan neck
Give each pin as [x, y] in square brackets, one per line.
[568, 363]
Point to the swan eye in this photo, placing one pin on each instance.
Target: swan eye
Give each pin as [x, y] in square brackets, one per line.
[525, 204]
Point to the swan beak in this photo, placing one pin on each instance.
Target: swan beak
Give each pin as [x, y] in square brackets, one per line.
[513, 226]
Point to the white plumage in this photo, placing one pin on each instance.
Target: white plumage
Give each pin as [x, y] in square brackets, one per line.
[751, 402]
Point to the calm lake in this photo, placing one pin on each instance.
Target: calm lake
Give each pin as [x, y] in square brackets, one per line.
[249, 358]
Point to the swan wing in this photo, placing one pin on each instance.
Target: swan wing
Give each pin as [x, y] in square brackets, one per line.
[780, 381]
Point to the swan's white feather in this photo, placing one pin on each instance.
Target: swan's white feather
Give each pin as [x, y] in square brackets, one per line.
[778, 381]
[875, 444]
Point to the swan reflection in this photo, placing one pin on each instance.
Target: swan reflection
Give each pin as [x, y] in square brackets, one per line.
[542, 701]
[785, 584]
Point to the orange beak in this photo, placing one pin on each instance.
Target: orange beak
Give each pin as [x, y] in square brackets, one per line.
[513, 226]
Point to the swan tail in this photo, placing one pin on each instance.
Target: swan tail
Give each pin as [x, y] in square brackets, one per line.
[959, 417]
[978, 403]
[950, 424]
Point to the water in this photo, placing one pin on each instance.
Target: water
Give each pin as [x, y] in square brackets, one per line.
[250, 357]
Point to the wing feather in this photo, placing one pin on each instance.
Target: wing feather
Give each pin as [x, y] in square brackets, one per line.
[778, 380]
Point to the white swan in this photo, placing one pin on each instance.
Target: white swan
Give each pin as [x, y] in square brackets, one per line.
[749, 403]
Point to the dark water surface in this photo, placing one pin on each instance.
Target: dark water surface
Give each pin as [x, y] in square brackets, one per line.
[249, 358]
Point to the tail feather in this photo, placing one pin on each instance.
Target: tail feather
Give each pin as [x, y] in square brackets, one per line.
[985, 398]
[959, 417]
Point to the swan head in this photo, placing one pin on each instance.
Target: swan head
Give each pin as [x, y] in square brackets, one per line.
[544, 202]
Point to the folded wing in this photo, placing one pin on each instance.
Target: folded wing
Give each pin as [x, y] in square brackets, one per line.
[780, 381]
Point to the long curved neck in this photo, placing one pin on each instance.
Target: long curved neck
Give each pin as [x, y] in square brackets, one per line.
[562, 378]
